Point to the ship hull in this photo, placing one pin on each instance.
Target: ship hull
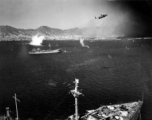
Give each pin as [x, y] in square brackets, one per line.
[137, 115]
[46, 52]
[126, 111]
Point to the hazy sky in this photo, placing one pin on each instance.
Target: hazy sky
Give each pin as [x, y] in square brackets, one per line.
[62, 14]
[54, 13]
[65, 14]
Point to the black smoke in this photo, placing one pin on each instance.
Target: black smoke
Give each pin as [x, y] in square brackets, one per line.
[141, 15]
[125, 19]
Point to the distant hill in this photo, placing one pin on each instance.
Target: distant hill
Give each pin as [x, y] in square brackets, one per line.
[104, 31]
[43, 30]
[49, 31]
[8, 30]
[11, 31]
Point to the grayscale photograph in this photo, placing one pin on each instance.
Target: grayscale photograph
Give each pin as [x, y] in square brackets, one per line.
[75, 59]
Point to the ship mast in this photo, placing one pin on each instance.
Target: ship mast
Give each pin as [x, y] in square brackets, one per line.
[16, 105]
[76, 94]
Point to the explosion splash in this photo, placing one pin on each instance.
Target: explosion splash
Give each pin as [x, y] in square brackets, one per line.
[82, 43]
[37, 40]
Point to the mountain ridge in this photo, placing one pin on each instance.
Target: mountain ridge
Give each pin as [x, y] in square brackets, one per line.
[6, 30]
[94, 31]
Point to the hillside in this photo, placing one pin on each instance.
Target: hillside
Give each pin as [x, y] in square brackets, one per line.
[43, 30]
[12, 33]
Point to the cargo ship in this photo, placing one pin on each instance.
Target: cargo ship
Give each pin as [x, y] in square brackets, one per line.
[39, 51]
[124, 111]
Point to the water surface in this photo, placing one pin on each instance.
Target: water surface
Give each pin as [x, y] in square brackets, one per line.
[109, 72]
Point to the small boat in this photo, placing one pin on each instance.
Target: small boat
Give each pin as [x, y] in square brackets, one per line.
[39, 51]
[124, 111]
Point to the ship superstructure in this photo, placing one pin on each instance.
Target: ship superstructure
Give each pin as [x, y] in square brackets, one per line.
[39, 51]
[124, 111]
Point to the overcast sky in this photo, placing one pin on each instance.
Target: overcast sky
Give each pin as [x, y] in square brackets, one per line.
[54, 13]
[61, 14]
[64, 14]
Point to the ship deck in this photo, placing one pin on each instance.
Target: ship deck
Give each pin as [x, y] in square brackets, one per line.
[126, 111]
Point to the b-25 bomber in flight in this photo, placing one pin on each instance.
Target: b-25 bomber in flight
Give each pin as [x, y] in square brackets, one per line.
[101, 16]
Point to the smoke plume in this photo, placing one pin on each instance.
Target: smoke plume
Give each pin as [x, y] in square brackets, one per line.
[37, 40]
[121, 21]
[82, 43]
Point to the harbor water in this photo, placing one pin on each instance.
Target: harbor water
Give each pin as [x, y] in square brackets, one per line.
[109, 72]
